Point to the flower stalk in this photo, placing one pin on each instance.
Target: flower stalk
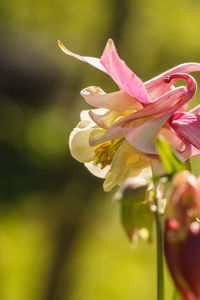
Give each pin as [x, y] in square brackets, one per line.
[159, 238]
[176, 295]
[188, 165]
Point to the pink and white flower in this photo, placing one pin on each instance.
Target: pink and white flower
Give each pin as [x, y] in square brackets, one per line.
[117, 139]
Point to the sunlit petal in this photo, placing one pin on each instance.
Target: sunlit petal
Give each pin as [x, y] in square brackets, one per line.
[143, 136]
[126, 163]
[106, 119]
[111, 134]
[188, 127]
[79, 145]
[166, 103]
[122, 75]
[117, 140]
[171, 136]
[157, 86]
[195, 110]
[93, 61]
[96, 170]
[118, 101]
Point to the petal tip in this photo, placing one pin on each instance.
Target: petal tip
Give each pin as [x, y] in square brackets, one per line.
[60, 44]
[92, 90]
[84, 92]
[110, 45]
[63, 48]
[110, 42]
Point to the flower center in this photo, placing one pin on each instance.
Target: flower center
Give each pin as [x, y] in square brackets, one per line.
[105, 152]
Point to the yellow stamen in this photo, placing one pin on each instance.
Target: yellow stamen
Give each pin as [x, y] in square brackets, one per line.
[105, 152]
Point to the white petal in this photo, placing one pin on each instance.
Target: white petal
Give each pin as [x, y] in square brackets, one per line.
[96, 170]
[127, 162]
[79, 145]
[86, 122]
[93, 61]
[84, 115]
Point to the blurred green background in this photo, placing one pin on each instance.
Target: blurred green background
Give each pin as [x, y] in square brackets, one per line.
[60, 234]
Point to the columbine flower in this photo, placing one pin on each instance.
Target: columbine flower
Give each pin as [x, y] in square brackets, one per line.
[182, 235]
[117, 140]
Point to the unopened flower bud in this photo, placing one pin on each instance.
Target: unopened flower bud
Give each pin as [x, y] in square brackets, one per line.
[182, 235]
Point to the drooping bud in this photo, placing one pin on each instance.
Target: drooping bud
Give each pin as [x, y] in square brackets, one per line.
[182, 235]
[136, 214]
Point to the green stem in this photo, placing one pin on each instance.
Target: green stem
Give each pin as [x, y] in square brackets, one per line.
[160, 269]
[176, 295]
[188, 165]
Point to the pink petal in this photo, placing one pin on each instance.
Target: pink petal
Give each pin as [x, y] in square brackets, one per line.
[194, 152]
[169, 101]
[143, 136]
[182, 147]
[195, 110]
[177, 115]
[118, 101]
[187, 152]
[157, 86]
[122, 75]
[173, 139]
[93, 61]
[188, 127]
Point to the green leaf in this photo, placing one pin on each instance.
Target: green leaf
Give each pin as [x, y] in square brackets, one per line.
[169, 157]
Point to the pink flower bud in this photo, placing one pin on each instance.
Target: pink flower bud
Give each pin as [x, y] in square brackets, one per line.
[182, 235]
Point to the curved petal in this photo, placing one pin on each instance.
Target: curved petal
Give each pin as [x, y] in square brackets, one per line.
[86, 121]
[195, 110]
[170, 102]
[122, 75]
[93, 61]
[143, 136]
[136, 170]
[187, 152]
[96, 170]
[79, 145]
[172, 138]
[118, 101]
[100, 136]
[188, 127]
[106, 119]
[96, 136]
[127, 162]
[162, 106]
[194, 152]
[157, 86]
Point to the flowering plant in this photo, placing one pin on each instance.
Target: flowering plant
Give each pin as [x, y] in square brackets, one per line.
[116, 140]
